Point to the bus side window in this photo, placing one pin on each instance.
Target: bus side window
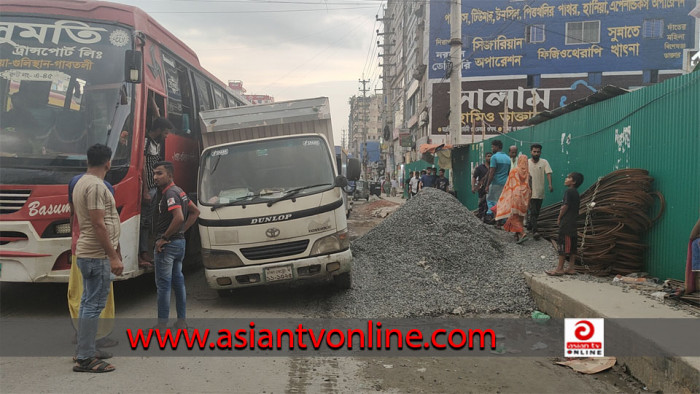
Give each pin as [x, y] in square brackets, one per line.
[203, 98]
[219, 99]
[180, 105]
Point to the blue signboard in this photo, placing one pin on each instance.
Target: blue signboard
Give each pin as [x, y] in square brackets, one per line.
[509, 37]
[373, 150]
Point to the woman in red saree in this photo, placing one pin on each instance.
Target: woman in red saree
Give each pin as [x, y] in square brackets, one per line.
[515, 199]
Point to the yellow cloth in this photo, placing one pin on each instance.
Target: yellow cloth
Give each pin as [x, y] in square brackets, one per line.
[445, 159]
[75, 292]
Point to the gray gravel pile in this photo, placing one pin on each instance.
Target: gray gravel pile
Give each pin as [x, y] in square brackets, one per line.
[433, 257]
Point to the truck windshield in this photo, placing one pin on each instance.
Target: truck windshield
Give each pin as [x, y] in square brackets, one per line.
[261, 171]
[61, 91]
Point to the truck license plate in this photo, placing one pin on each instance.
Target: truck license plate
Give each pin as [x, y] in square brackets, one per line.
[278, 273]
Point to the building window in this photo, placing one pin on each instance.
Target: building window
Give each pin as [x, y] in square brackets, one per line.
[582, 32]
[653, 28]
[534, 34]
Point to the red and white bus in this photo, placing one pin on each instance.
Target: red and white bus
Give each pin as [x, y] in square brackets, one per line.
[76, 73]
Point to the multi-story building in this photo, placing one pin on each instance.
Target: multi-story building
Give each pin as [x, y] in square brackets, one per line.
[237, 86]
[364, 124]
[520, 58]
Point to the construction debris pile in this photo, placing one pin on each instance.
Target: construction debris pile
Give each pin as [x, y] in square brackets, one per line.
[433, 257]
[613, 216]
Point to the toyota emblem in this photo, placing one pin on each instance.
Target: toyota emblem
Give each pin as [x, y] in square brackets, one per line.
[272, 232]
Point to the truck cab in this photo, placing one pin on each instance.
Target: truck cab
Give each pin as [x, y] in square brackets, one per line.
[272, 205]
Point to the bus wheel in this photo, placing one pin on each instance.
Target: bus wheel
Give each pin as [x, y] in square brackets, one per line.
[343, 281]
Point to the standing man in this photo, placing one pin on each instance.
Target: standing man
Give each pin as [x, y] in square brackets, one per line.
[427, 180]
[75, 283]
[407, 185]
[498, 175]
[413, 185]
[154, 152]
[442, 183]
[538, 169]
[479, 184]
[97, 252]
[176, 214]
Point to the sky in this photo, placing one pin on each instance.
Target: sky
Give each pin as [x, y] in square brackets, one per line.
[289, 49]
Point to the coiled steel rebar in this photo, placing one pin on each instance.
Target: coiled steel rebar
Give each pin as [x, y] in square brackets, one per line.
[617, 220]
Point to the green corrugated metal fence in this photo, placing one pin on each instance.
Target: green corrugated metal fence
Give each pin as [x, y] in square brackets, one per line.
[656, 128]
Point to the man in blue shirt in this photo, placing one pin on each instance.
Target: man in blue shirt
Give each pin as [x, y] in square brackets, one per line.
[498, 175]
[428, 180]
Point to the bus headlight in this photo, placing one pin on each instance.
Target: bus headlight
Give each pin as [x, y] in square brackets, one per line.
[332, 243]
[216, 259]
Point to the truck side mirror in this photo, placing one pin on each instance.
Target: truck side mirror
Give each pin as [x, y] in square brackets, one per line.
[133, 66]
[341, 181]
[353, 169]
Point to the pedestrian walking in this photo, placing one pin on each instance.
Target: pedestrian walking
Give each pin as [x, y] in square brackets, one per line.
[176, 213]
[479, 184]
[97, 251]
[692, 267]
[498, 175]
[539, 169]
[407, 185]
[441, 182]
[427, 179]
[414, 185]
[567, 222]
[513, 154]
[512, 205]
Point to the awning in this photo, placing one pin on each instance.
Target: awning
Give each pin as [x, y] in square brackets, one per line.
[432, 148]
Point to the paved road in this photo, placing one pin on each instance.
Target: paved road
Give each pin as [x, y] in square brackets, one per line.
[137, 298]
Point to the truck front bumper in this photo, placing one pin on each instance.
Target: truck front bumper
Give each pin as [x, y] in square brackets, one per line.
[284, 271]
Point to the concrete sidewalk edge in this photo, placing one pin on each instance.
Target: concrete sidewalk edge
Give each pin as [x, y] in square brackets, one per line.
[670, 374]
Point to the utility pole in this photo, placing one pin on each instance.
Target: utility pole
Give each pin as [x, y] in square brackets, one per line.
[365, 118]
[386, 44]
[456, 71]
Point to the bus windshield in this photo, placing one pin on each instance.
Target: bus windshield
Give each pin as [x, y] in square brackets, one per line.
[261, 171]
[61, 91]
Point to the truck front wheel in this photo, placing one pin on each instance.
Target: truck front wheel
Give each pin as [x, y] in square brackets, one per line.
[224, 293]
[343, 281]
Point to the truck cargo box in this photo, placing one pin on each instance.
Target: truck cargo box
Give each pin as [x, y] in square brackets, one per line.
[251, 122]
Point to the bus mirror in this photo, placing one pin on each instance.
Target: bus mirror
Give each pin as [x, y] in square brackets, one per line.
[341, 181]
[354, 169]
[133, 66]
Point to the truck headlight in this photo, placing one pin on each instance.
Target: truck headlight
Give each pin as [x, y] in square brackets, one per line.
[216, 259]
[331, 243]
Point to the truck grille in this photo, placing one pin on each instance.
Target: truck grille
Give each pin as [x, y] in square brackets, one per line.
[12, 201]
[275, 251]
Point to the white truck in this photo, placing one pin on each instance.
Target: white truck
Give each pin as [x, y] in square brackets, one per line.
[271, 200]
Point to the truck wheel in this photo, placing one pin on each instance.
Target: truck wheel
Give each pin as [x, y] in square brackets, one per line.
[224, 293]
[343, 281]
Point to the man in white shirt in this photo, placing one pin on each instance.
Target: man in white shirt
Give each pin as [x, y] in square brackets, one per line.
[413, 185]
[538, 169]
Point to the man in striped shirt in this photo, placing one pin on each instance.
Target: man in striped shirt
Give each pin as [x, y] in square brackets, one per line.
[154, 151]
